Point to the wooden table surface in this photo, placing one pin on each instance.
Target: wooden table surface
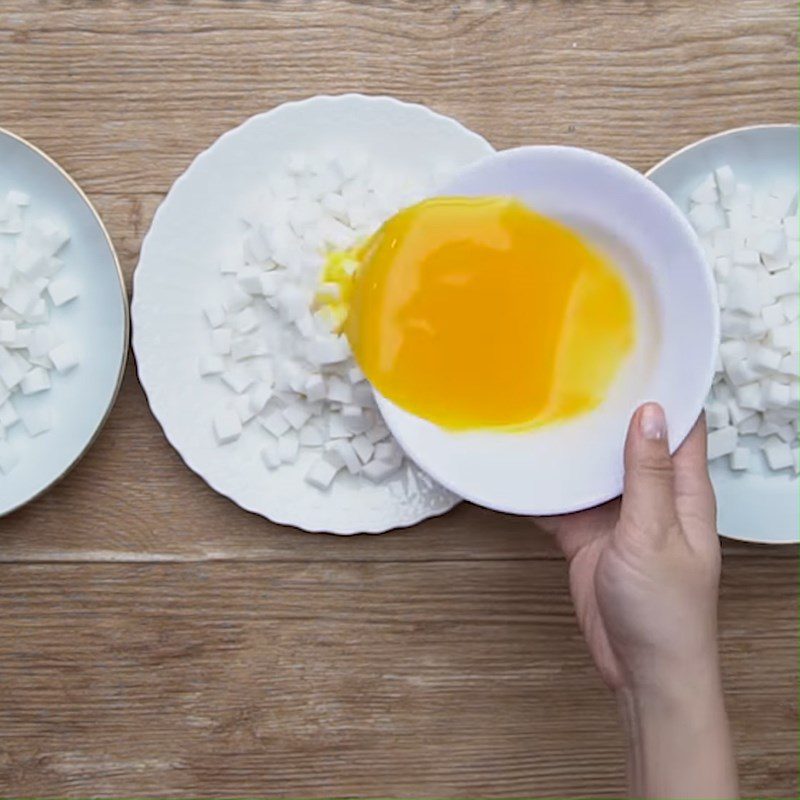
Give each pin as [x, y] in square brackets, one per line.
[156, 640]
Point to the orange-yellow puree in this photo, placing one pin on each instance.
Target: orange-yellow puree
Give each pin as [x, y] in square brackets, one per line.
[479, 313]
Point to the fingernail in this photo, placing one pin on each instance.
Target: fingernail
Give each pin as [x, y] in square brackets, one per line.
[651, 422]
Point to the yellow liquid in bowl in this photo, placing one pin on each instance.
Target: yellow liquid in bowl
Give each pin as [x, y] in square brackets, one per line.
[478, 313]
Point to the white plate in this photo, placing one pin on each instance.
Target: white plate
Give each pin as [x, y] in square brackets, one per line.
[197, 223]
[576, 464]
[758, 505]
[97, 323]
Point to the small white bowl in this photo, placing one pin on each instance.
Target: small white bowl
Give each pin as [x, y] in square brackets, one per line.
[757, 505]
[578, 464]
[96, 323]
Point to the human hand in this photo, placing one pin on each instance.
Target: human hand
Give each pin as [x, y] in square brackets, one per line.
[644, 575]
[644, 570]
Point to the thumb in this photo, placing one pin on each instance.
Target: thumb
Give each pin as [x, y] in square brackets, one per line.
[648, 499]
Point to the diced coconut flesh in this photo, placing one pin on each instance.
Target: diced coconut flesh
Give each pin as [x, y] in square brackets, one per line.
[30, 349]
[227, 426]
[322, 473]
[282, 358]
[740, 458]
[750, 236]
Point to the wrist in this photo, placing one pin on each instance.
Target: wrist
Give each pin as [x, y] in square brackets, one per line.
[691, 702]
[678, 736]
[674, 683]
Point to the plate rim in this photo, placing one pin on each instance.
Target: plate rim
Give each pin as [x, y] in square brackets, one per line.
[719, 135]
[5, 132]
[280, 519]
[768, 540]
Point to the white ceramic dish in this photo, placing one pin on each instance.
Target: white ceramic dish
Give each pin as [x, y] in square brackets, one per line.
[758, 505]
[197, 223]
[97, 323]
[577, 464]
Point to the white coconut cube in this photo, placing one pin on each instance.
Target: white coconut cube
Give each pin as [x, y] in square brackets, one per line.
[722, 442]
[740, 458]
[322, 473]
[62, 290]
[778, 453]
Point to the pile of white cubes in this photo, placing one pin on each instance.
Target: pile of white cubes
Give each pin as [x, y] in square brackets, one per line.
[750, 237]
[31, 286]
[290, 373]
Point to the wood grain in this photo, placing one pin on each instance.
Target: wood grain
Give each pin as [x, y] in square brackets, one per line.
[390, 680]
[156, 640]
[160, 81]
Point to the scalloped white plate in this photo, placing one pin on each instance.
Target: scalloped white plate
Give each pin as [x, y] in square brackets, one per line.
[758, 505]
[96, 322]
[197, 222]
